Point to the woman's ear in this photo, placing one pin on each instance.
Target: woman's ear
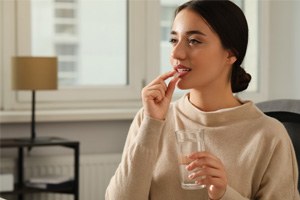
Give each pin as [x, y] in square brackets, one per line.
[231, 58]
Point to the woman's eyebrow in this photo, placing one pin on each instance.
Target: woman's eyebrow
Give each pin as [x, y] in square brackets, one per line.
[192, 32]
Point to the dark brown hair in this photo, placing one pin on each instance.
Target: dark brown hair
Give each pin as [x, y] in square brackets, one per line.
[230, 23]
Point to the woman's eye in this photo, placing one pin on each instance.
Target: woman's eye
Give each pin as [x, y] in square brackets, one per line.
[173, 41]
[194, 41]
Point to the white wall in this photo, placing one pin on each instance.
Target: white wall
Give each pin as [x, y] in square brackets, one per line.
[95, 137]
[284, 81]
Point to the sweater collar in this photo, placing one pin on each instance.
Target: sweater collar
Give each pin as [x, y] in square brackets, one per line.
[221, 117]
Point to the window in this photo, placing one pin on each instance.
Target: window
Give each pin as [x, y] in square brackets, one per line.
[89, 38]
[107, 50]
[94, 48]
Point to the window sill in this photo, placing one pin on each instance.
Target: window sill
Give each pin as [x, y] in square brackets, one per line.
[68, 115]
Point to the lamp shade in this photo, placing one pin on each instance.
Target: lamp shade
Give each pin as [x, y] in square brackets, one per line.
[34, 73]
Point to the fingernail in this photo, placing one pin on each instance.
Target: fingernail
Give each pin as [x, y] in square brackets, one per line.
[191, 176]
[191, 155]
[199, 182]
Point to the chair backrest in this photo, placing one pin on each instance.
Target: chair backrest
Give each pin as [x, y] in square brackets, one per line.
[287, 111]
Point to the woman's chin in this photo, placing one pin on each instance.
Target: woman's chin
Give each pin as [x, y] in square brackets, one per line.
[182, 86]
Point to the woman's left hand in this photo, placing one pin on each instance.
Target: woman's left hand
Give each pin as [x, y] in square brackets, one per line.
[210, 171]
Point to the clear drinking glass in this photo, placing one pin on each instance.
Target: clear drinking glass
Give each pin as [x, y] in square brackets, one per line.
[189, 141]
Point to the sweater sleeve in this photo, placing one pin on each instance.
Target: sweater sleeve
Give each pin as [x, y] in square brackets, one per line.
[231, 194]
[280, 179]
[133, 177]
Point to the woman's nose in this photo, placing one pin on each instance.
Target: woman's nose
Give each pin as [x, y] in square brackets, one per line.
[178, 52]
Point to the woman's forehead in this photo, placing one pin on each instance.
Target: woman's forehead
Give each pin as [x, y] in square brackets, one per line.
[187, 21]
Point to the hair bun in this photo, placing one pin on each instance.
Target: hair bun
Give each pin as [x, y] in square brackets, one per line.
[240, 79]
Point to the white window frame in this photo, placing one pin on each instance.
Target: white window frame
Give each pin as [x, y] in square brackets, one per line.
[122, 97]
[88, 94]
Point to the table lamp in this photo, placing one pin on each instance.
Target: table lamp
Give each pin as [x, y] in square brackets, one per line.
[34, 73]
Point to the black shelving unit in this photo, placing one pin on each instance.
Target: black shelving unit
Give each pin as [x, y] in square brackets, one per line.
[20, 189]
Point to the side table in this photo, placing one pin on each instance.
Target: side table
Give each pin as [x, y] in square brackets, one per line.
[20, 189]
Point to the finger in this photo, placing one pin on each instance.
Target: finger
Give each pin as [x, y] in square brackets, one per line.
[204, 172]
[157, 85]
[163, 77]
[217, 182]
[167, 75]
[158, 82]
[171, 87]
[153, 95]
[202, 154]
[205, 162]
[159, 88]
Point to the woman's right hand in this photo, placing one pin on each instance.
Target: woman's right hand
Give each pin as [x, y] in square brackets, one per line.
[157, 95]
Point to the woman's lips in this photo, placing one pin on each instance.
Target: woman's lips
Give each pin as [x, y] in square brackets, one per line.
[182, 70]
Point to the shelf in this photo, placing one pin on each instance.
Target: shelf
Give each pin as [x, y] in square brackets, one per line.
[40, 141]
[25, 189]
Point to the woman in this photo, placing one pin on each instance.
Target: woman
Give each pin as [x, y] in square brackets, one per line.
[249, 155]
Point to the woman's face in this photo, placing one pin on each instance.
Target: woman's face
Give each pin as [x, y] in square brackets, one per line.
[198, 54]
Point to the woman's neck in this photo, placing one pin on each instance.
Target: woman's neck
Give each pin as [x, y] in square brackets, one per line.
[212, 101]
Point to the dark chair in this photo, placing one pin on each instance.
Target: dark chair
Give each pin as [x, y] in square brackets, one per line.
[287, 111]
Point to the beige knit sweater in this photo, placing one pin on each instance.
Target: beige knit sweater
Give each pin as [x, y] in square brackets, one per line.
[255, 150]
